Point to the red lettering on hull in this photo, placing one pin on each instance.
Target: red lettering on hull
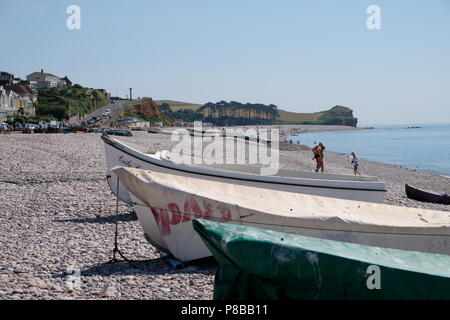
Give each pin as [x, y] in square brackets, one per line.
[191, 209]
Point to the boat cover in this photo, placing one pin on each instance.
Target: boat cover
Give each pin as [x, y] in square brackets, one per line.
[262, 264]
[294, 209]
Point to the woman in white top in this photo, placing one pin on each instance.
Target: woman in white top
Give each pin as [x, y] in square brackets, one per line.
[355, 162]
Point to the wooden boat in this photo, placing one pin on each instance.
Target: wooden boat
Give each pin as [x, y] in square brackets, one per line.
[118, 153]
[256, 139]
[263, 264]
[165, 205]
[426, 196]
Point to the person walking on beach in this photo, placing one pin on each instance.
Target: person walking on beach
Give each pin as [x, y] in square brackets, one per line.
[355, 162]
[318, 156]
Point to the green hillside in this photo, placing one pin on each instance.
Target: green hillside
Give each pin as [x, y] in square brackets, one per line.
[61, 103]
[337, 115]
[295, 117]
[178, 105]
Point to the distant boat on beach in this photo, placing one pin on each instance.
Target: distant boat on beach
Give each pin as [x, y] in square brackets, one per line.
[426, 195]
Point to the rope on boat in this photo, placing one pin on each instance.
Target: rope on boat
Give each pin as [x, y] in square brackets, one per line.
[171, 261]
[116, 233]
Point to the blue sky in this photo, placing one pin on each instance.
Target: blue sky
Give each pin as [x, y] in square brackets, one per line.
[303, 56]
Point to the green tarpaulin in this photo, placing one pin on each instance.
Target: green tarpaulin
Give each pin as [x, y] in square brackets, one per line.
[263, 264]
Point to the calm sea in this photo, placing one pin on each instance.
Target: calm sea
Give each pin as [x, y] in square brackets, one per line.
[425, 148]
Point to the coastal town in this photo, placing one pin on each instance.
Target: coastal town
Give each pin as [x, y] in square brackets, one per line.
[17, 96]
[46, 103]
[18, 99]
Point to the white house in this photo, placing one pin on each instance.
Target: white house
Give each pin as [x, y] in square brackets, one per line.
[42, 79]
[6, 103]
[27, 97]
[16, 98]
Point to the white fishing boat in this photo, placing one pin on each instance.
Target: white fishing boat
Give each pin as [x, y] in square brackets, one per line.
[118, 153]
[166, 204]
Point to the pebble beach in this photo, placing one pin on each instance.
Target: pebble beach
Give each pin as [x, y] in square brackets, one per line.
[58, 218]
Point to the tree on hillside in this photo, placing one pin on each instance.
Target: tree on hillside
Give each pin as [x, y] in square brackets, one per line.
[236, 109]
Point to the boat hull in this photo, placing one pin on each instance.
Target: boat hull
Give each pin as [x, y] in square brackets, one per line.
[166, 205]
[262, 264]
[335, 186]
[426, 196]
